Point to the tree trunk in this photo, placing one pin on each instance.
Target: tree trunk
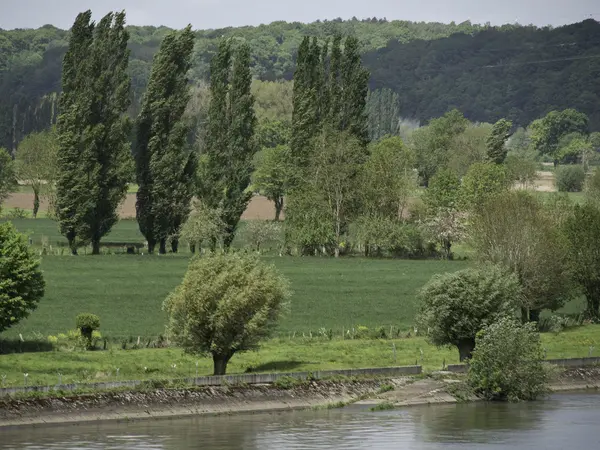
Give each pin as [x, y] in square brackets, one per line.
[534, 315]
[227, 240]
[524, 315]
[220, 363]
[465, 348]
[174, 245]
[162, 247]
[72, 246]
[36, 202]
[151, 245]
[95, 246]
[278, 208]
[193, 248]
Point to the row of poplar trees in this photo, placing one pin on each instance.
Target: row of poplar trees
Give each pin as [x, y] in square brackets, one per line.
[95, 134]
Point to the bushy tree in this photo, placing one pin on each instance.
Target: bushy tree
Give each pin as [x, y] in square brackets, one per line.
[443, 191]
[446, 226]
[507, 363]
[8, 181]
[569, 178]
[518, 232]
[257, 233]
[21, 281]
[36, 164]
[455, 306]
[521, 170]
[582, 229]
[271, 175]
[226, 304]
[547, 132]
[592, 187]
[204, 225]
[165, 165]
[469, 147]
[482, 182]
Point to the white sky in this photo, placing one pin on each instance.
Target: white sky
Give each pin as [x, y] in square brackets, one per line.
[204, 14]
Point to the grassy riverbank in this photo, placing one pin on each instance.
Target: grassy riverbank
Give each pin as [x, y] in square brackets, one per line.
[277, 355]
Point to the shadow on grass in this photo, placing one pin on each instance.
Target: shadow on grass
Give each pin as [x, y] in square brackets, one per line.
[276, 366]
[17, 346]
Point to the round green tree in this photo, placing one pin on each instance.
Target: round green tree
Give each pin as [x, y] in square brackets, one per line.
[21, 281]
[456, 306]
[227, 303]
[507, 363]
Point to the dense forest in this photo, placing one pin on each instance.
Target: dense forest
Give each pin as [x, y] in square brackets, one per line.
[487, 72]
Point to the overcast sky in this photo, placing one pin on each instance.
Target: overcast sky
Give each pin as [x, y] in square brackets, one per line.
[221, 13]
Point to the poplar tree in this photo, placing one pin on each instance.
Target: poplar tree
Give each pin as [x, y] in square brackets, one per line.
[93, 130]
[165, 165]
[230, 145]
[496, 142]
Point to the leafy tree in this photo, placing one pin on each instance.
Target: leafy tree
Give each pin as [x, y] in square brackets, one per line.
[260, 232]
[482, 182]
[547, 132]
[203, 225]
[36, 164]
[7, 175]
[516, 231]
[446, 226]
[271, 175]
[569, 178]
[388, 178]
[455, 306]
[507, 363]
[230, 145]
[22, 284]
[582, 229]
[92, 130]
[433, 143]
[443, 191]
[592, 187]
[273, 100]
[521, 170]
[383, 107]
[496, 142]
[226, 304]
[165, 166]
[272, 133]
[469, 147]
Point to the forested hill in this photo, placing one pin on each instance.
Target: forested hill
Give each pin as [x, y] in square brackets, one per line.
[432, 66]
[520, 74]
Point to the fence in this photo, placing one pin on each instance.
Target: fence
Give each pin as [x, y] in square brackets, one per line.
[565, 362]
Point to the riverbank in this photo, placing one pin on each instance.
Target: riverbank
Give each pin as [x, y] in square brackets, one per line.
[174, 403]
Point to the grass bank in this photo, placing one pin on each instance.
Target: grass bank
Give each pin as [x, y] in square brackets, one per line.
[277, 355]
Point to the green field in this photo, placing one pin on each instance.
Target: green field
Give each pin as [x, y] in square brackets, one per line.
[127, 292]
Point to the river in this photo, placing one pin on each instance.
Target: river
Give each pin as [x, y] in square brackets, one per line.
[564, 421]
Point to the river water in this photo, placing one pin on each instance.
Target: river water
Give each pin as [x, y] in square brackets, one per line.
[564, 421]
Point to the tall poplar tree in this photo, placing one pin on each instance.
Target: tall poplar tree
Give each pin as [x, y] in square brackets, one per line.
[165, 165]
[230, 145]
[93, 130]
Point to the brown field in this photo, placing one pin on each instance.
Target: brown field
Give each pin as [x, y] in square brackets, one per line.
[259, 207]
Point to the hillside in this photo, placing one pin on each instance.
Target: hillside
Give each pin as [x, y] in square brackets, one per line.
[432, 66]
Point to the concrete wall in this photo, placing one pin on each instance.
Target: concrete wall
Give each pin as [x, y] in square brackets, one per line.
[566, 362]
[254, 378]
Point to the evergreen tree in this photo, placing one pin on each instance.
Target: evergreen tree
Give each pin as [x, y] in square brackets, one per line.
[165, 166]
[93, 130]
[383, 111]
[496, 148]
[230, 145]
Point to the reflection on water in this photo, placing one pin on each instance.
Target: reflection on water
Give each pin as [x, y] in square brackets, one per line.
[562, 422]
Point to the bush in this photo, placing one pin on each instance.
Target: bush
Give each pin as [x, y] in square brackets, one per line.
[21, 281]
[569, 178]
[455, 306]
[87, 324]
[507, 363]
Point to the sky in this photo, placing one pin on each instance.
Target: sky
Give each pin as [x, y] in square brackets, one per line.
[203, 14]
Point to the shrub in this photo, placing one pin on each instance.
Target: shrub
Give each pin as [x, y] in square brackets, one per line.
[482, 182]
[455, 306]
[87, 324]
[569, 178]
[507, 363]
[21, 281]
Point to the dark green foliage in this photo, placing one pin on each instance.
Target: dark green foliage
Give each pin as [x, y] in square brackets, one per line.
[482, 182]
[165, 165]
[582, 229]
[547, 132]
[87, 324]
[93, 133]
[383, 107]
[507, 363]
[8, 180]
[455, 306]
[21, 281]
[443, 191]
[496, 148]
[230, 145]
[569, 178]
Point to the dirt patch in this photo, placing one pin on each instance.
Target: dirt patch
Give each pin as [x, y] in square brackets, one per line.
[259, 207]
